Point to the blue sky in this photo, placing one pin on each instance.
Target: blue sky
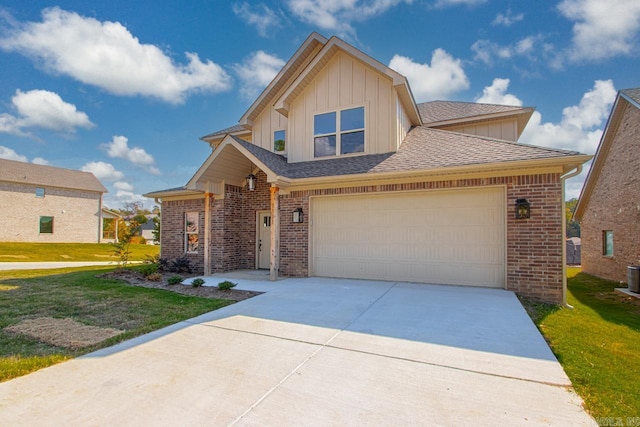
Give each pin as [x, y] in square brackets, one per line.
[125, 89]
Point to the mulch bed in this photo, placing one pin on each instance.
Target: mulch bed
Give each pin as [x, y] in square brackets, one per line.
[135, 278]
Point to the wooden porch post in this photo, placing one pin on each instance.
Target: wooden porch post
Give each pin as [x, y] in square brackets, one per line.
[275, 233]
[207, 233]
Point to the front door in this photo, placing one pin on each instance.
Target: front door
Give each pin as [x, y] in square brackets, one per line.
[264, 240]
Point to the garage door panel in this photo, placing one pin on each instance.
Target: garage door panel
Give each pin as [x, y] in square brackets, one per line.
[449, 237]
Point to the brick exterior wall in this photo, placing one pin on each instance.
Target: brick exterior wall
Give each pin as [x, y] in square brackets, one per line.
[172, 231]
[615, 205]
[533, 251]
[76, 214]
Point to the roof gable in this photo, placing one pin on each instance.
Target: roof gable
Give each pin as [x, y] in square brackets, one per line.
[628, 98]
[400, 83]
[48, 176]
[291, 69]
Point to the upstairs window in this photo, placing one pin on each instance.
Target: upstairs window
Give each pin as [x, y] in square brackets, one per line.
[328, 141]
[46, 225]
[39, 192]
[279, 140]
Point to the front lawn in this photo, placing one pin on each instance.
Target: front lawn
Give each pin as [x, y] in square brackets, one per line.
[598, 344]
[32, 252]
[31, 300]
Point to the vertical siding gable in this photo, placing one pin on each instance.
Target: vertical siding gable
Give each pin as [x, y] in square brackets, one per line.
[343, 83]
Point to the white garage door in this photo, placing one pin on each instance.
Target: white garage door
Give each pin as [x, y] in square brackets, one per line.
[449, 237]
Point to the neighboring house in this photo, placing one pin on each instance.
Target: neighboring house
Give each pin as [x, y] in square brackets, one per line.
[335, 171]
[574, 248]
[609, 205]
[110, 225]
[146, 229]
[47, 204]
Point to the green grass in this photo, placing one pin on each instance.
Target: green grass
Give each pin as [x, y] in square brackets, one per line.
[30, 252]
[597, 342]
[78, 294]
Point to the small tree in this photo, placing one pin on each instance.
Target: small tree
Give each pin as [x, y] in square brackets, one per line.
[126, 233]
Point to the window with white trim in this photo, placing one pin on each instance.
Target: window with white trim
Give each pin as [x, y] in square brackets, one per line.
[191, 228]
[338, 132]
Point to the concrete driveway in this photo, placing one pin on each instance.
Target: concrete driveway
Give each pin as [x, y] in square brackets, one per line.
[317, 352]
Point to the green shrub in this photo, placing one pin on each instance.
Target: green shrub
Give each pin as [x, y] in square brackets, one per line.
[226, 285]
[154, 277]
[174, 280]
[197, 282]
[148, 269]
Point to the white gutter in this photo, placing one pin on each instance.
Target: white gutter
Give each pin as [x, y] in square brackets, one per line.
[563, 178]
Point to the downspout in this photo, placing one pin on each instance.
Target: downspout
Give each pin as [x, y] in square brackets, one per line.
[563, 178]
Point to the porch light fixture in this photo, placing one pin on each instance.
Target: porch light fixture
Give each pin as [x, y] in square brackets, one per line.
[251, 182]
[523, 209]
[297, 215]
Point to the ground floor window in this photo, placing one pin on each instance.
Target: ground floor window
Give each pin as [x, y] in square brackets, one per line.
[607, 243]
[191, 230]
[46, 225]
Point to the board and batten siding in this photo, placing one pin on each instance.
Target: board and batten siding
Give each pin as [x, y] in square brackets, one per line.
[343, 83]
[265, 125]
[505, 129]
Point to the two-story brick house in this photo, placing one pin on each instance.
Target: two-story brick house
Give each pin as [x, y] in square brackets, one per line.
[336, 171]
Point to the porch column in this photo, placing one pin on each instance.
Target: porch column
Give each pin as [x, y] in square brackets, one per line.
[275, 233]
[207, 234]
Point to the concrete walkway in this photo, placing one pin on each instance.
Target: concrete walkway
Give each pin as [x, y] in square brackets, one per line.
[317, 352]
[4, 266]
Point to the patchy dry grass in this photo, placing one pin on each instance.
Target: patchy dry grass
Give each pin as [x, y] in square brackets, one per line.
[86, 300]
[33, 252]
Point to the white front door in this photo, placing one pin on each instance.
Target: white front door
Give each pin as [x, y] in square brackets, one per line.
[264, 240]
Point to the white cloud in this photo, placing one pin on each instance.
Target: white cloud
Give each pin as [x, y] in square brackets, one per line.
[438, 80]
[256, 72]
[107, 55]
[496, 94]
[121, 198]
[40, 161]
[446, 3]
[508, 18]
[103, 171]
[42, 109]
[602, 29]
[10, 154]
[337, 15]
[262, 17]
[123, 186]
[119, 148]
[581, 126]
[488, 52]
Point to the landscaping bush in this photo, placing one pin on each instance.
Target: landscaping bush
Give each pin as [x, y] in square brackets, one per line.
[138, 240]
[154, 277]
[197, 282]
[181, 265]
[174, 280]
[226, 285]
[148, 269]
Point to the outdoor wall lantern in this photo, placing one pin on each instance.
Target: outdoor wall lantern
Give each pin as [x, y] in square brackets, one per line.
[523, 209]
[297, 215]
[251, 182]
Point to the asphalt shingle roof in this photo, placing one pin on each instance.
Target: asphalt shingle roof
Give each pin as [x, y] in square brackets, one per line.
[29, 173]
[634, 94]
[438, 111]
[223, 132]
[423, 149]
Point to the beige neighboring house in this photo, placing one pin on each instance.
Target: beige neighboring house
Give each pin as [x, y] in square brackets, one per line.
[336, 171]
[110, 225]
[48, 204]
